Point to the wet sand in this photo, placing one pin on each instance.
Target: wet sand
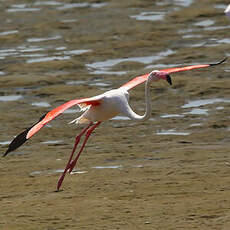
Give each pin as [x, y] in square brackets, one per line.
[171, 172]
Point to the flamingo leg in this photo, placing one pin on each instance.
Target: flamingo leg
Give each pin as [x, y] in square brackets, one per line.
[77, 139]
[87, 135]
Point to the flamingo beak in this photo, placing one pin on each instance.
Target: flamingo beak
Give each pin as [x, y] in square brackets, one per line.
[168, 79]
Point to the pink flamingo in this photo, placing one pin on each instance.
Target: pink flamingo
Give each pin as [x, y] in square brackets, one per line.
[101, 108]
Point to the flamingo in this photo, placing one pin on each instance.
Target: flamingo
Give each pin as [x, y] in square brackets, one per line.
[100, 108]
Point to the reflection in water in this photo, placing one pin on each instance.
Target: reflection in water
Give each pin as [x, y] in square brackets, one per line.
[47, 3]
[20, 52]
[108, 167]
[14, 8]
[69, 20]
[61, 48]
[109, 72]
[8, 32]
[68, 6]
[197, 103]
[7, 52]
[198, 112]
[76, 52]
[44, 39]
[213, 28]
[59, 56]
[104, 66]
[149, 16]
[31, 55]
[144, 60]
[171, 115]
[10, 98]
[52, 142]
[192, 36]
[29, 48]
[5, 142]
[45, 59]
[21, 8]
[45, 172]
[172, 132]
[99, 83]
[220, 6]
[41, 104]
[98, 4]
[184, 3]
[73, 5]
[77, 82]
[224, 41]
[195, 124]
[205, 23]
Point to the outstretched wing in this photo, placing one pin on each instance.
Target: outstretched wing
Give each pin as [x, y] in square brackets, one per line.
[138, 80]
[191, 67]
[29, 132]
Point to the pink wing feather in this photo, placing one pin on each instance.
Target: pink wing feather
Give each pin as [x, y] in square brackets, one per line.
[57, 111]
[141, 79]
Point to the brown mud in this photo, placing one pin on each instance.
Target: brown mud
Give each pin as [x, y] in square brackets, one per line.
[171, 172]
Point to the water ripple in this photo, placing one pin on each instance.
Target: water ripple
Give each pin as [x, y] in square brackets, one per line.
[104, 66]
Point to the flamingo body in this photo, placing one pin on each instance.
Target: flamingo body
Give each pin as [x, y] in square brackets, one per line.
[110, 104]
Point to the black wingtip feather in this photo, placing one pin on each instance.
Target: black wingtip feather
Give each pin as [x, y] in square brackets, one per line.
[20, 139]
[219, 62]
[17, 142]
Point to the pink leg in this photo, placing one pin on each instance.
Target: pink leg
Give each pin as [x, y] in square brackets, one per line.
[87, 135]
[77, 139]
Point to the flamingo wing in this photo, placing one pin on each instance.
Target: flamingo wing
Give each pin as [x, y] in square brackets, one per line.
[141, 79]
[29, 132]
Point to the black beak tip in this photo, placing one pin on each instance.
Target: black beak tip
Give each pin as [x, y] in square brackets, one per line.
[169, 80]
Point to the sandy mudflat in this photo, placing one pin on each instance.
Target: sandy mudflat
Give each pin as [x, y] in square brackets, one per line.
[171, 172]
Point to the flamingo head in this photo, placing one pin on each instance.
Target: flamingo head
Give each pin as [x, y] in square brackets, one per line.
[156, 75]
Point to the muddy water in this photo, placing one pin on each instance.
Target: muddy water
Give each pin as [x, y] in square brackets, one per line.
[171, 172]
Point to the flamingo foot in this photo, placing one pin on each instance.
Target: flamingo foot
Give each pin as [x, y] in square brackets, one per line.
[60, 180]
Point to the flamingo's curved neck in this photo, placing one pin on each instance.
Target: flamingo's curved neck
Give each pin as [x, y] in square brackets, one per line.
[134, 116]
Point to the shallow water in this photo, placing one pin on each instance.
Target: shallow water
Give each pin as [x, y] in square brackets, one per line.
[8, 32]
[56, 171]
[198, 112]
[108, 167]
[41, 104]
[10, 98]
[45, 59]
[198, 103]
[172, 115]
[4, 142]
[149, 16]
[52, 142]
[172, 132]
[105, 66]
